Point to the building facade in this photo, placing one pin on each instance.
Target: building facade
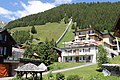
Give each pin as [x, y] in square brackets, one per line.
[9, 60]
[84, 47]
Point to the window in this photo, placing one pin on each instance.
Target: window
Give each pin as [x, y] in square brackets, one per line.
[83, 50]
[80, 58]
[74, 51]
[83, 38]
[89, 38]
[86, 50]
[89, 49]
[71, 58]
[80, 50]
[5, 38]
[1, 37]
[69, 51]
[79, 33]
[88, 32]
[1, 50]
[83, 58]
[76, 34]
[5, 49]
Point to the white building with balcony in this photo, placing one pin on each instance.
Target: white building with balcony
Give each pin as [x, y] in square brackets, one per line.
[84, 47]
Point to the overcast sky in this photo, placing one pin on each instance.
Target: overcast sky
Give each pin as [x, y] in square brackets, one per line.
[14, 9]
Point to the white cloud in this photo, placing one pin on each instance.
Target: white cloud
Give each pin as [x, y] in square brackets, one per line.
[31, 7]
[15, 4]
[34, 7]
[4, 11]
[62, 1]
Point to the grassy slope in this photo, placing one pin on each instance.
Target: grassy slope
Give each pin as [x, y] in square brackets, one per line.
[68, 37]
[50, 30]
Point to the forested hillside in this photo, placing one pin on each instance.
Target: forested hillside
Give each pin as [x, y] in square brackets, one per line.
[100, 15]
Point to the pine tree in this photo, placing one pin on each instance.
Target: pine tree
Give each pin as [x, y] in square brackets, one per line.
[33, 30]
[101, 56]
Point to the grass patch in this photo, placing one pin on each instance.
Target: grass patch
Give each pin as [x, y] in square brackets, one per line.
[50, 30]
[57, 65]
[87, 73]
[115, 60]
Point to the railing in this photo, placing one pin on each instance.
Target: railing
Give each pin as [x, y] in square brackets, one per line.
[64, 32]
[111, 51]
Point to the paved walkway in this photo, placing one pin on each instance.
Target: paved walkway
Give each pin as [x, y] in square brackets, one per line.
[57, 71]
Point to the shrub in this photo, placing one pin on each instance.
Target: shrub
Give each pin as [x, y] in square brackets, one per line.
[50, 76]
[60, 76]
[73, 77]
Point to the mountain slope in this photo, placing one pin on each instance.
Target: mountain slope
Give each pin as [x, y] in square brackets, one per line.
[49, 31]
[100, 15]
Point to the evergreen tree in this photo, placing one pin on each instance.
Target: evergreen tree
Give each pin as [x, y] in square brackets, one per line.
[101, 56]
[33, 30]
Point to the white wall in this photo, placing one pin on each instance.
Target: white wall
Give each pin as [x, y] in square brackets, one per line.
[92, 52]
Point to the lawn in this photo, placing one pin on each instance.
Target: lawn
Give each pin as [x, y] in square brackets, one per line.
[115, 60]
[50, 30]
[68, 37]
[57, 65]
[86, 73]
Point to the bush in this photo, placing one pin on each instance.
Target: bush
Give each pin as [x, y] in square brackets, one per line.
[60, 76]
[50, 76]
[73, 77]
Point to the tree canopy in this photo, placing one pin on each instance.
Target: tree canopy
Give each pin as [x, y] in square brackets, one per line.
[21, 36]
[44, 51]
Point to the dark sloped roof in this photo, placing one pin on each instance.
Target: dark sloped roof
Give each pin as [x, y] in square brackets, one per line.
[58, 49]
[11, 40]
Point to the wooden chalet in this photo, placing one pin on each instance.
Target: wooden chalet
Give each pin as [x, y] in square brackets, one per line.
[6, 44]
[11, 56]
